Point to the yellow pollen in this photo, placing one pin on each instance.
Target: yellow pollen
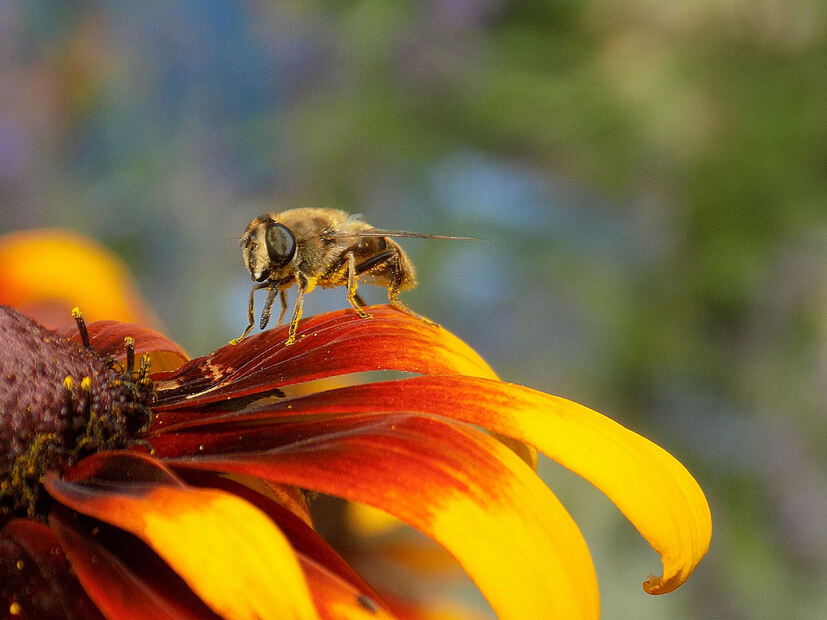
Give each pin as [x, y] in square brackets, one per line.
[128, 341]
[86, 383]
[19, 564]
[15, 609]
[76, 313]
[68, 383]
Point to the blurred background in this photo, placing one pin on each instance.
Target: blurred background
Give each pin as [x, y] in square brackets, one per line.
[651, 178]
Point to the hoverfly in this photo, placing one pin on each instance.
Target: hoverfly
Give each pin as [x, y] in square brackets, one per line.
[327, 248]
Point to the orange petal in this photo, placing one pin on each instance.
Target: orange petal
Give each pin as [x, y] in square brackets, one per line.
[306, 542]
[109, 579]
[655, 492]
[454, 483]
[227, 551]
[48, 272]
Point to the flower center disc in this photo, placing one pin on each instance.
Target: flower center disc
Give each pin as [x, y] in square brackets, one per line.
[59, 402]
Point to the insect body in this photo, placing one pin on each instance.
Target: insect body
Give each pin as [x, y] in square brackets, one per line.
[322, 247]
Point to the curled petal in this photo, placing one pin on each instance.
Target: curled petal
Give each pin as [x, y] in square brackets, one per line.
[655, 492]
[226, 550]
[454, 483]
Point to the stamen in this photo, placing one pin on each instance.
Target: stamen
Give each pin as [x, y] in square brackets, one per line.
[129, 343]
[144, 381]
[84, 335]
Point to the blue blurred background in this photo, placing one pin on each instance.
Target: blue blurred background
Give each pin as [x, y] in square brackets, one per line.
[651, 178]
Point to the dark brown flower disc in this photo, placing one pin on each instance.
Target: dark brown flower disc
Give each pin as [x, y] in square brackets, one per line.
[58, 402]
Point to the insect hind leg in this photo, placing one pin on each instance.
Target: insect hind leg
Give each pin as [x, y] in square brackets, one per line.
[397, 276]
[401, 305]
[352, 296]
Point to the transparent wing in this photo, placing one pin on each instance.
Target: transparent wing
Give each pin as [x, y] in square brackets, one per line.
[375, 232]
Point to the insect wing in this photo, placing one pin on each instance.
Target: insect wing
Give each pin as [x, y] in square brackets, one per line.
[376, 232]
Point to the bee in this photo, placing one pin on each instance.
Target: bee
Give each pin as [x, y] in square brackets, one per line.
[327, 248]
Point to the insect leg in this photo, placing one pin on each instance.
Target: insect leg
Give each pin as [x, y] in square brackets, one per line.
[283, 299]
[251, 314]
[297, 310]
[351, 287]
[268, 306]
[393, 289]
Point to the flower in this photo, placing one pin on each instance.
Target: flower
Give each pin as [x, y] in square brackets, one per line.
[48, 271]
[190, 503]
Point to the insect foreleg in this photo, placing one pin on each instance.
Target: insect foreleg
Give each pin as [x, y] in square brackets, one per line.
[251, 314]
[268, 306]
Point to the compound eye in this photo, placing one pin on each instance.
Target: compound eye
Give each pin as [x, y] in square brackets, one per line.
[281, 245]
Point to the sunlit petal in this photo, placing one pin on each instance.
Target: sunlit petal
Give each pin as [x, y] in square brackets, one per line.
[454, 483]
[650, 487]
[227, 550]
[307, 543]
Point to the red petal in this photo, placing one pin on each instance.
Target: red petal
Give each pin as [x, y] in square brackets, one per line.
[330, 344]
[134, 583]
[35, 575]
